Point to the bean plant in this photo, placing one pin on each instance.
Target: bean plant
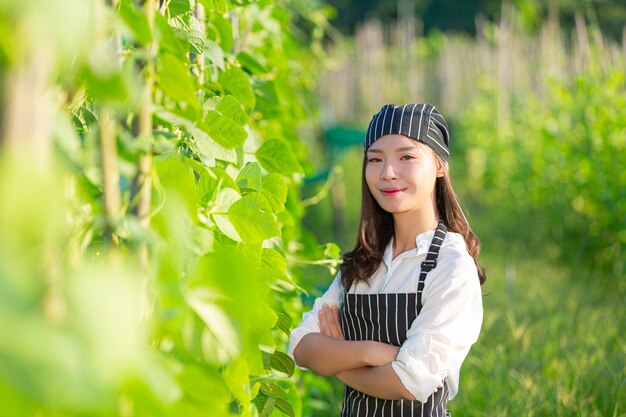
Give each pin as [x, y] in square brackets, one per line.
[151, 159]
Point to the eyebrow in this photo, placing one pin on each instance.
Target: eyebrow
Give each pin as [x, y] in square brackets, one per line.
[408, 148]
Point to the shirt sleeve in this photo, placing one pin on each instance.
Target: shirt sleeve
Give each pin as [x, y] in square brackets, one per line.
[310, 320]
[442, 334]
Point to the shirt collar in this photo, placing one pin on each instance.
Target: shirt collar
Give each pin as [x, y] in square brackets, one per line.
[422, 242]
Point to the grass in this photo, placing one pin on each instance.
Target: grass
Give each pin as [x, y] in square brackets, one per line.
[552, 344]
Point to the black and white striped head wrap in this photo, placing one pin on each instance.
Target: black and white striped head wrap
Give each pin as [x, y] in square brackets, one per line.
[421, 122]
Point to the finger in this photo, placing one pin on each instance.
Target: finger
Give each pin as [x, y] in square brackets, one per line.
[330, 322]
[335, 326]
[324, 328]
[337, 322]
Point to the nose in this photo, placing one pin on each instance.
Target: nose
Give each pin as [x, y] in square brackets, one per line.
[388, 172]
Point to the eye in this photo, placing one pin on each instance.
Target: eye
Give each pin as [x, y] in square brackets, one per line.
[374, 159]
[407, 156]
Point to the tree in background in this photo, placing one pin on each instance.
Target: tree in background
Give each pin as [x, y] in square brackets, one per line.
[460, 15]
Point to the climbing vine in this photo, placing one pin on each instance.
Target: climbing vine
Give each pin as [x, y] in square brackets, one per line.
[149, 201]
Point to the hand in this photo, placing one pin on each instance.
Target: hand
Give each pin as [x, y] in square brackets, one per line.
[379, 353]
[329, 322]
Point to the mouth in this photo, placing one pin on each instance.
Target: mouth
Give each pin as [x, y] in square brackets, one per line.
[392, 191]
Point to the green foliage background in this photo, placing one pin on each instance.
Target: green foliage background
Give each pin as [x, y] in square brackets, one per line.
[557, 168]
[460, 16]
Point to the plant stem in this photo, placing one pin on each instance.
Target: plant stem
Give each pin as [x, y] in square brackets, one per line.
[142, 184]
[27, 95]
[200, 59]
[110, 173]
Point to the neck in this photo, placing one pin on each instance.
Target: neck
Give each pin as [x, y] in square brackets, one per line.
[408, 225]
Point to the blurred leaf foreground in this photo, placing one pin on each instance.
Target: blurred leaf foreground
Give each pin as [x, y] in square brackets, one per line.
[150, 160]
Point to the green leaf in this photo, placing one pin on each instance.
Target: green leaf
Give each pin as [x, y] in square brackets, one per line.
[176, 178]
[208, 183]
[206, 146]
[274, 269]
[332, 250]
[236, 82]
[230, 107]
[274, 261]
[225, 225]
[107, 87]
[285, 407]
[253, 219]
[224, 130]
[264, 404]
[267, 99]
[211, 102]
[201, 240]
[221, 340]
[170, 39]
[222, 175]
[196, 380]
[223, 31]
[219, 209]
[292, 397]
[211, 149]
[175, 80]
[249, 177]
[275, 156]
[272, 390]
[244, 2]
[268, 318]
[237, 379]
[192, 31]
[214, 53]
[218, 6]
[179, 7]
[136, 21]
[274, 188]
[195, 35]
[250, 63]
[282, 363]
[226, 197]
[283, 323]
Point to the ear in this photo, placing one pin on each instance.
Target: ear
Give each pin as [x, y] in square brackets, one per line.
[442, 168]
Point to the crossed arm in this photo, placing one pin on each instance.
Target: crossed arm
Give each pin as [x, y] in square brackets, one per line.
[363, 365]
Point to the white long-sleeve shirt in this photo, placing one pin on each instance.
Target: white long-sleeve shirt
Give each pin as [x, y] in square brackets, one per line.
[449, 323]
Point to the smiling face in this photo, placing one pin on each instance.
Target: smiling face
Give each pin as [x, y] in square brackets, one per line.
[401, 174]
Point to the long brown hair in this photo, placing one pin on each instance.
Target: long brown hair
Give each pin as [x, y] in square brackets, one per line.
[376, 230]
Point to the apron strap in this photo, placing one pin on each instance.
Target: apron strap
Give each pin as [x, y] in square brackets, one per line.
[431, 257]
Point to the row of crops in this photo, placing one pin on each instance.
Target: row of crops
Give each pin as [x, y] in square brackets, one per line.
[151, 158]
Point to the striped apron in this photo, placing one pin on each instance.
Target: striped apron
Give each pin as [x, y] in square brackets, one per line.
[386, 317]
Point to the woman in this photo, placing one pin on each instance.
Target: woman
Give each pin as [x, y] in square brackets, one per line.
[400, 316]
